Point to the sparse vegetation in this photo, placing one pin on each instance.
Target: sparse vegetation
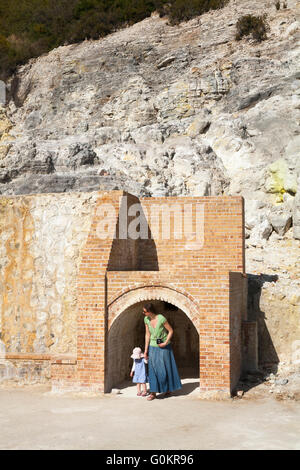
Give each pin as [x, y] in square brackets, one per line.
[183, 10]
[29, 28]
[254, 26]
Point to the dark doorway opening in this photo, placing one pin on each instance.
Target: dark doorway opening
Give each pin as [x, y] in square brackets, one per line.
[128, 332]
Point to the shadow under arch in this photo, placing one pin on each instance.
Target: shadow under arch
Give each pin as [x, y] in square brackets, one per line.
[127, 331]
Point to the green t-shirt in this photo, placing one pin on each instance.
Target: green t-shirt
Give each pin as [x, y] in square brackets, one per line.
[159, 331]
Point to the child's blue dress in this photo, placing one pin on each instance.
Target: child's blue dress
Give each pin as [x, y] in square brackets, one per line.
[140, 374]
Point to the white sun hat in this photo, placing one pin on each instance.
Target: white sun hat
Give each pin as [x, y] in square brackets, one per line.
[137, 353]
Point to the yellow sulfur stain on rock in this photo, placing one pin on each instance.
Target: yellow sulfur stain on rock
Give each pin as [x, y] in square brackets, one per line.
[182, 105]
[80, 68]
[128, 156]
[5, 125]
[280, 180]
[192, 129]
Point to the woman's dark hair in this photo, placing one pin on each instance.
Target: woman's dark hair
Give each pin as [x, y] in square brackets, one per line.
[149, 308]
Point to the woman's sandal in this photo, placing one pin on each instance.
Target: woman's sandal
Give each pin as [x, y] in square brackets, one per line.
[151, 397]
[139, 394]
[144, 394]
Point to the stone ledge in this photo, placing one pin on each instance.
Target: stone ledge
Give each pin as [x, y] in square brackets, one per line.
[54, 359]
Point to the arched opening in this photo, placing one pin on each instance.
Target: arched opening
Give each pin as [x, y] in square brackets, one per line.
[128, 332]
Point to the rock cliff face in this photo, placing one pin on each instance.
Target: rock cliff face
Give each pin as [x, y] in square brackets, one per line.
[175, 110]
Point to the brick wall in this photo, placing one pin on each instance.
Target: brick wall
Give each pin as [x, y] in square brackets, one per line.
[192, 274]
[64, 377]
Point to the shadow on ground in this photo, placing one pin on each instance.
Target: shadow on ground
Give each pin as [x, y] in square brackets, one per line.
[190, 387]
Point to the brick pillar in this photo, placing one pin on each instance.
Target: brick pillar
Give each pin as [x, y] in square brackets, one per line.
[91, 319]
[215, 344]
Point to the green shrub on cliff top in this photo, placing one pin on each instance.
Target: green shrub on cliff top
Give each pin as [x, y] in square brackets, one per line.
[256, 26]
[29, 28]
[183, 10]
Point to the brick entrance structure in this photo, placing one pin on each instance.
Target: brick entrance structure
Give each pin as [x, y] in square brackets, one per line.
[199, 273]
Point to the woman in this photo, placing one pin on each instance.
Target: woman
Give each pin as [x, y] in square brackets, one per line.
[163, 373]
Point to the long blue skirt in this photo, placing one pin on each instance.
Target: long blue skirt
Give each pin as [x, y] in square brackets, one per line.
[162, 370]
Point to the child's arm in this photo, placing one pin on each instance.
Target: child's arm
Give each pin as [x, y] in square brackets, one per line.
[132, 369]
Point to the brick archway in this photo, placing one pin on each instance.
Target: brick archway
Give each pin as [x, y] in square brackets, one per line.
[126, 329]
[146, 293]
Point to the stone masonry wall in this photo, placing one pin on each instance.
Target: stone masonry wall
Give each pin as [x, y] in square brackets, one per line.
[40, 241]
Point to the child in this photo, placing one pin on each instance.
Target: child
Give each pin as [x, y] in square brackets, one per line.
[138, 371]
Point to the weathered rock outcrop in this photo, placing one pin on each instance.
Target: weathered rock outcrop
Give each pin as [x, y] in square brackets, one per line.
[160, 110]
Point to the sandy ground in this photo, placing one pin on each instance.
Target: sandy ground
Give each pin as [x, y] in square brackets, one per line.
[34, 418]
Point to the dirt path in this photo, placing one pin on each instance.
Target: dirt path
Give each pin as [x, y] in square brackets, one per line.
[33, 418]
